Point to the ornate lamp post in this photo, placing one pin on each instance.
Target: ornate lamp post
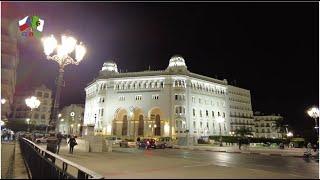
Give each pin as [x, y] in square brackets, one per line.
[220, 120]
[314, 113]
[67, 46]
[28, 122]
[32, 103]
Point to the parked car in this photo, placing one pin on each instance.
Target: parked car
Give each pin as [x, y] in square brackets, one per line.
[114, 139]
[151, 143]
[127, 143]
[168, 141]
[145, 143]
[41, 140]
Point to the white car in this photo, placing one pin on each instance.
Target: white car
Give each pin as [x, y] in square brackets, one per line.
[168, 141]
[41, 140]
[128, 144]
[114, 139]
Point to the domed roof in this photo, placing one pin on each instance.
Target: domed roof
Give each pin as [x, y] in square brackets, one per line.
[177, 60]
[110, 66]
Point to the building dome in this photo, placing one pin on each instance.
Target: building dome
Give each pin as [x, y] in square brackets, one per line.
[110, 66]
[177, 61]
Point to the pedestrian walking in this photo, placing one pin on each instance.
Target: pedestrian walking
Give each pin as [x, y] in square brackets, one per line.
[240, 143]
[72, 142]
[59, 137]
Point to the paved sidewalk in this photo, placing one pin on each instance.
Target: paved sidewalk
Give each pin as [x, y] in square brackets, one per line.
[293, 152]
[7, 157]
[12, 163]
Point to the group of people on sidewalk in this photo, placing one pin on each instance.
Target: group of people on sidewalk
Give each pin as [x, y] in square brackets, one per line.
[7, 135]
[54, 142]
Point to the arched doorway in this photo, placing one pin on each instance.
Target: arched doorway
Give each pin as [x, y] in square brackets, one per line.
[141, 126]
[124, 126]
[138, 122]
[155, 128]
[120, 123]
[157, 131]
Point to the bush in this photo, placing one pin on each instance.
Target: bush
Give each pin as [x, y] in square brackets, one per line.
[201, 141]
[246, 140]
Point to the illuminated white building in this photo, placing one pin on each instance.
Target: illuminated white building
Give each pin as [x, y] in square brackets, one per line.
[157, 103]
[241, 114]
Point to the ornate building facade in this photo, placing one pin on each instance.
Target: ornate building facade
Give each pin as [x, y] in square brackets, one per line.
[173, 102]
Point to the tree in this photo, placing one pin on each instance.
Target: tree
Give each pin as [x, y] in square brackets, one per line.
[280, 126]
[243, 132]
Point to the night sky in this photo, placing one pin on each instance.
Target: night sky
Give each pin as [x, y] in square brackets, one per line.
[269, 48]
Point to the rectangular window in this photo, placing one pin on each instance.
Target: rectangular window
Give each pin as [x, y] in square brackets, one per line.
[155, 97]
[46, 95]
[101, 112]
[176, 97]
[199, 100]
[200, 113]
[194, 112]
[207, 113]
[194, 124]
[138, 98]
[200, 124]
[193, 99]
[39, 94]
[212, 113]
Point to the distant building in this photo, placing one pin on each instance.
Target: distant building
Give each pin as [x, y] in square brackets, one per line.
[39, 116]
[71, 119]
[241, 114]
[265, 125]
[9, 64]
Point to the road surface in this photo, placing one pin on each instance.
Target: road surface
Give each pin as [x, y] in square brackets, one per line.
[178, 163]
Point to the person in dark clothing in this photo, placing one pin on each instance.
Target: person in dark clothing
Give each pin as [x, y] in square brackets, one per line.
[52, 142]
[240, 143]
[59, 137]
[72, 142]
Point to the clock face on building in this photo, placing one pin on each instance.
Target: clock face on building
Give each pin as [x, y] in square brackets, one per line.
[72, 114]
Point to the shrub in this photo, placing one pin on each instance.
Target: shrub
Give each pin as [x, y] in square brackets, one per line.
[201, 141]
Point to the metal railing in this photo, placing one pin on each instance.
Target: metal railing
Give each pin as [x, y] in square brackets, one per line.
[43, 164]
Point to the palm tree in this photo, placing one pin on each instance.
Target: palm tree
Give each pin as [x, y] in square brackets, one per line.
[280, 126]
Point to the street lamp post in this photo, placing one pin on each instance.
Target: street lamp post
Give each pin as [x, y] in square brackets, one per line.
[32, 102]
[314, 113]
[67, 46]
[220, 120]
[28, 122]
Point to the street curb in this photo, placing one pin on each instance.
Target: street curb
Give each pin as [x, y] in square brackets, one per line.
[242, 152]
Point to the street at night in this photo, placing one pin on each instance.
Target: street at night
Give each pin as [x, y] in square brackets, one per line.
[176, 163]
